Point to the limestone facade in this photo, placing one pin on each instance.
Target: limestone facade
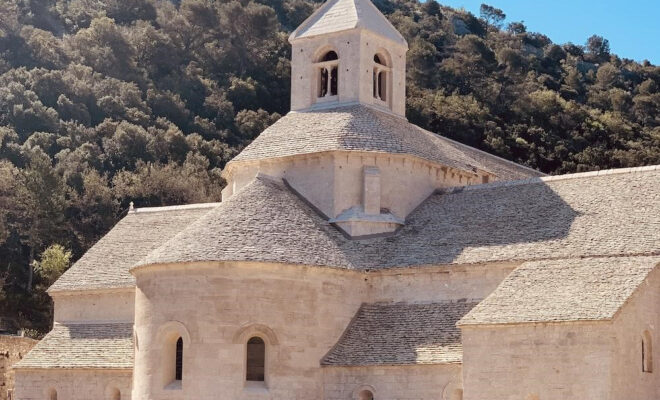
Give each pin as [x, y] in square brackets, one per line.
[78, 384]
[355, 256]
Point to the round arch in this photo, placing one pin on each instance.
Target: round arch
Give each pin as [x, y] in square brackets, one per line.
[384, 56]
[250, 330]
[322, 51]
[171, 329]
[360, 392]
[112, 391]
[453, 391]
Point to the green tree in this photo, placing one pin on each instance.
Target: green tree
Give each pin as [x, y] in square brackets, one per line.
[52, 263]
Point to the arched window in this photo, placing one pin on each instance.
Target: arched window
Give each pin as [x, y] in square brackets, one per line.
[647, 352]
[330, 56]
[52, 394]
[327, 68]
[178, 363]
[256, 360]
[366, 395]
[381, 73]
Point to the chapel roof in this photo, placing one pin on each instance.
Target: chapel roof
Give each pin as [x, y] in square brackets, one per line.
[89, 345]
[611, 213]
[106, 264]
[363, 128]
[563, 290]
[343, 15]
[401, 334]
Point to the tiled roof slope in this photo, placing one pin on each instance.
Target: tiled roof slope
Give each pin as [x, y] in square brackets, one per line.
[396, 334]
[362, 128]
[612, 214]
[341, 15]
[262, 222]
[106, 264]
[563, 290]
[102, 345]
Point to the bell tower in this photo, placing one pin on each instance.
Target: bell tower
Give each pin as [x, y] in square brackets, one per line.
[347, 52]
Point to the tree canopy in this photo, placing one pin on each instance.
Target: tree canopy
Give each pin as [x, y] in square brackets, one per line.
[107, 102]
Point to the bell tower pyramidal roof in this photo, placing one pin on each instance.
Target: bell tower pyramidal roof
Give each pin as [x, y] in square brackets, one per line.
[341, 15]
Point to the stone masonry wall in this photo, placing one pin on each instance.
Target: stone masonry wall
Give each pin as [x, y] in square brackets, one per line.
[74, 384]
[392, 382]
[12, 350]
[306, 309]
[642, 312]
[568, 361]
[221, 306]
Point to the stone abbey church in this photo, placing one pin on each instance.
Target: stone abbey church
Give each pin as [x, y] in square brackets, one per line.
[355, 256]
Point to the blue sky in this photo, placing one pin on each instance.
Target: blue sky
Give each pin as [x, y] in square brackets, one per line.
[631, 26]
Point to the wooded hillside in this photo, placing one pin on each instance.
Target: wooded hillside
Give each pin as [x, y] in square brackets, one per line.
[103, 102]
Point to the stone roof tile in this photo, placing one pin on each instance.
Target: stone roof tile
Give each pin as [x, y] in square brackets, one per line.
[106, 264]
[401, 333]
[586, 216]
[98, 345]
[361, 128]
[341, 15]
[563, 290]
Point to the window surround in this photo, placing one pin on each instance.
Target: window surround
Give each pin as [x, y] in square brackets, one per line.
[323, 88]
[168, 335]
[453, 391]
[241, 337]
[382, 79]
[357, 393]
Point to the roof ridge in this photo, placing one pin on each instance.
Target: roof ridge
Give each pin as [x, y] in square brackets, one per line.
[88, 323]
[465, 300]
[556, 178]
[193, 206]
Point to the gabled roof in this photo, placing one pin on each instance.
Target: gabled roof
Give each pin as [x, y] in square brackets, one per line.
[342, 15]
[361, 128]
[94, 345]
[401, 333]
[591, 289]
[106, 264]
[611, 214]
